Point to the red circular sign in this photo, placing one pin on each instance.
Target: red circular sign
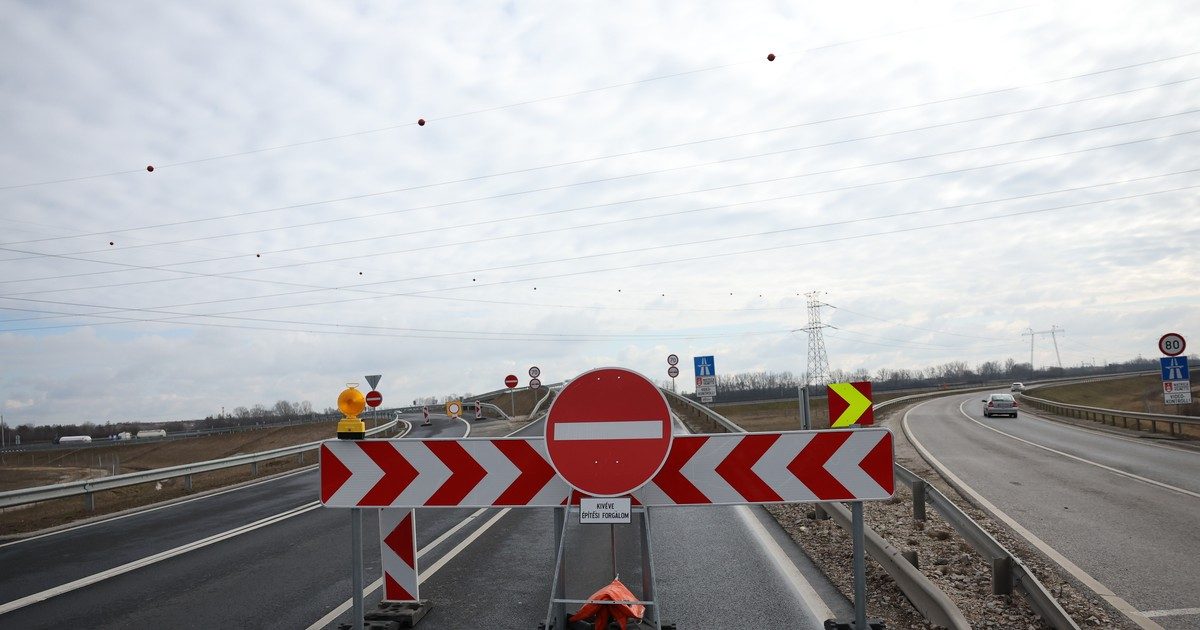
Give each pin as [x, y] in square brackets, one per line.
[1172, 344]
[672, 359]
[374, 398]
[672, 371]
[510, 381]
[608, 432]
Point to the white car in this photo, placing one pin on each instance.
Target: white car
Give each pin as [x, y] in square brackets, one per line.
[1000, 404]
[1018, 387]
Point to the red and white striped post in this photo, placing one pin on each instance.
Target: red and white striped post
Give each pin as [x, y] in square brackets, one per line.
[398, 551]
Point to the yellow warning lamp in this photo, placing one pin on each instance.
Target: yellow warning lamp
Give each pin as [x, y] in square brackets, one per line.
[351, 403]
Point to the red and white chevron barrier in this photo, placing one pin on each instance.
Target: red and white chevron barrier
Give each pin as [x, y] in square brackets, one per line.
[468, 472]
[787, 467]
[398, 555]
[722, 469]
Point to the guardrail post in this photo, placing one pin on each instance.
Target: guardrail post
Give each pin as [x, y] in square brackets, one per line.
[89, 501]
[918, 498]
[253, 469]
[187, 483]
[1002, 575]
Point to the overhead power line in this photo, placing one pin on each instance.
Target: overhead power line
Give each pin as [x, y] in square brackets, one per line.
[141, 168]
[234, 275]
[643, 151]
[673, 260]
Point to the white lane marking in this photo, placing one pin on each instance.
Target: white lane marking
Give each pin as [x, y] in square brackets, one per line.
[600, 430]
[425, 575]
[784, 564]
[1101, 590]
[149, 560]
[1172, 613]
[138, 512]
[1117, 471]
[464, 421]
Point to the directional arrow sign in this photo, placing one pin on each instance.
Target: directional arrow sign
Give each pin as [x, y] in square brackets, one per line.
[850, 403]
[785, 467]
[468, 472]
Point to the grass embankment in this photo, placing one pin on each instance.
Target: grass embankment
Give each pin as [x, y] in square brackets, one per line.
[22, 470]
[783, 415]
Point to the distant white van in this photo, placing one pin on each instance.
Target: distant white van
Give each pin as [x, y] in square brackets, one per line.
[1018, 387]
[151, 433]
[74, 439]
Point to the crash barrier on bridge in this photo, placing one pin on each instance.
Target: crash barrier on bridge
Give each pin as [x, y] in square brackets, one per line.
[712, 469]
[1172, 422]
[88, 487]
[926, 597]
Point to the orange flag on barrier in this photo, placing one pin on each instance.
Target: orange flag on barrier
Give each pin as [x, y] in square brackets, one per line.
[600, 614]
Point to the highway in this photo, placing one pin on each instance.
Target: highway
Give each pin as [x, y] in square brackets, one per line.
[266, 555]
[1121, 510]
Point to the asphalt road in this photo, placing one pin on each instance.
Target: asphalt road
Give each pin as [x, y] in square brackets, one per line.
[267, 556]
[1124, 509]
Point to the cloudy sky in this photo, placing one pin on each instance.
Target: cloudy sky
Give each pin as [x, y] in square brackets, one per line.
[596, 184]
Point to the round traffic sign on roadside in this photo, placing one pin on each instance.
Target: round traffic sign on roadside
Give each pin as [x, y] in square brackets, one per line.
[535, 372]
[510, 381]
[534, 383]
[374, 398]
[454, 409]
[1172, 344]
[608, 432]
[673, 371]
[672, 359]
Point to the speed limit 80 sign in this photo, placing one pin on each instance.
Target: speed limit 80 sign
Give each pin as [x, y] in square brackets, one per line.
[1172, 344]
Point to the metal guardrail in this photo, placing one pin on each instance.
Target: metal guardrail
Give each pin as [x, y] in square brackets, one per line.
[1110, 416]
[930, 600]
[1007, 569]
[87, 487]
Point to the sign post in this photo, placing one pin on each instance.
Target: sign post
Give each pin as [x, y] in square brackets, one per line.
[373, 381]
[608, 432]
[510, 382]
[850, 404]
[706, 378]
[1176, 380]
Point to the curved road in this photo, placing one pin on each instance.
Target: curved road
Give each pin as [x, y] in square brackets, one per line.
[266, 555]
[1123, 509]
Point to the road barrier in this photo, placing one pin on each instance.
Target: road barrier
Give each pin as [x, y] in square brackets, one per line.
[88, 487]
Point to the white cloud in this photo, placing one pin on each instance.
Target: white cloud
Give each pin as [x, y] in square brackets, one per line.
[367, 260]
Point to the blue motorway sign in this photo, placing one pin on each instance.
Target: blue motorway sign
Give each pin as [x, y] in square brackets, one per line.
[1174, 368]
[705, 366]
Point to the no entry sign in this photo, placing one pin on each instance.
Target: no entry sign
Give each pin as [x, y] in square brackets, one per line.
[374, 398]
[510, 381]
[608, 432]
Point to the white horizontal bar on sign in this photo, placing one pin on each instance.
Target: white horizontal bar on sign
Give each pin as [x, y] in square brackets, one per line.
[619, 430]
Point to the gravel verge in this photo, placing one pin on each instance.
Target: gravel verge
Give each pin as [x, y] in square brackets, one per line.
[945, 558]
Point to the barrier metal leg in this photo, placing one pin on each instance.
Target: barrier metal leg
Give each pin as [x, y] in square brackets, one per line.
[556, 613]
[860, 568]
[356, 568]
[649, 585]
